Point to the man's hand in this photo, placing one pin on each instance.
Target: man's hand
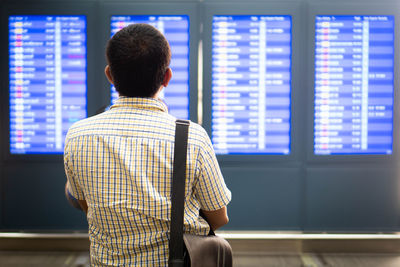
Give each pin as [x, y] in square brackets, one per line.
[78, 204]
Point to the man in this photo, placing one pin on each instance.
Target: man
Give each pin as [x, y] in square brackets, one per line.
[119, 163]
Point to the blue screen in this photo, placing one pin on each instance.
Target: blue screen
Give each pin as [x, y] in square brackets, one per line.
[176, 30]
[47, 80]
[251, 84]
[353, 101]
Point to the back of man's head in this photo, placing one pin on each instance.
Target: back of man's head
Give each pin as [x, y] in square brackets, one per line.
[138, 56]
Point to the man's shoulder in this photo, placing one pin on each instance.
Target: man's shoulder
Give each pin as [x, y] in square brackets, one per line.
[84, 126]
[196, 128]
[107, 123]
[198, 135]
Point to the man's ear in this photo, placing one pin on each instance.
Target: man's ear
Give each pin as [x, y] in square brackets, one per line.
[167, 77]
[107, 72]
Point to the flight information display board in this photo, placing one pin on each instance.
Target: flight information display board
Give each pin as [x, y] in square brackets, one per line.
[251, 84]
[176, 29]
[47, 81]
[353, 100]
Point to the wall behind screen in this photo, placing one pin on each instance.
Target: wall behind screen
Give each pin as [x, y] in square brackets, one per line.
[295, 192]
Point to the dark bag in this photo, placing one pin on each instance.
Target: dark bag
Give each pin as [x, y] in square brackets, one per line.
[187, 249]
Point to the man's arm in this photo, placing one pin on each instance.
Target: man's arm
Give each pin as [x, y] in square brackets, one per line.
[76, 203]
[210, 189]
[216, 218]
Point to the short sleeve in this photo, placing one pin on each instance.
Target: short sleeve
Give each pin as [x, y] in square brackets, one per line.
[72, 186]
[210, 189]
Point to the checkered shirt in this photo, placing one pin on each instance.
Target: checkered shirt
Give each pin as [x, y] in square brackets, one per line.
[120, 162]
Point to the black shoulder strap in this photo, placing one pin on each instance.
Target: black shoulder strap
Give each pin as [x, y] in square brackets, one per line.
[178, 193]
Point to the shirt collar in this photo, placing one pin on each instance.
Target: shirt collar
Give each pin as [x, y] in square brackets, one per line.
[141, 103]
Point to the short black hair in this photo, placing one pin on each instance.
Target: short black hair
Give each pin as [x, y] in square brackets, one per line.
[138, 56]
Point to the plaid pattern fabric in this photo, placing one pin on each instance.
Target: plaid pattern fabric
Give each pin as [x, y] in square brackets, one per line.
[121, 163]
